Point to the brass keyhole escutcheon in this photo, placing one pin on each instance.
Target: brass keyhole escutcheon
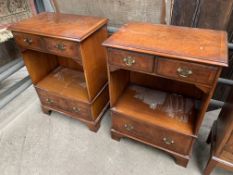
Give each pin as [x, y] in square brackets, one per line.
[184, 72]
[129, 61]
[75, 109]
[28, 40]
[168, 141]
[49, 101]
[128, 127]
[60, 46]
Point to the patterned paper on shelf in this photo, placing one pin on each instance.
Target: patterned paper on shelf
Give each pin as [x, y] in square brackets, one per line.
[174, 105]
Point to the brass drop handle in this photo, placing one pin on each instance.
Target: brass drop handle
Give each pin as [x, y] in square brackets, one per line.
[75, 109]
[49, 101]
[128, 127]
[60, 46]
[168, 141]
[129, 61]
[28, 40]
[184, 72]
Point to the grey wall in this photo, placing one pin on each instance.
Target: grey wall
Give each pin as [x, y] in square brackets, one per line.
[48, 6]
[118, 11]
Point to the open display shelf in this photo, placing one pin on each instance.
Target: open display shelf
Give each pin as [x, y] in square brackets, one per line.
[164, 109]
[65, 82]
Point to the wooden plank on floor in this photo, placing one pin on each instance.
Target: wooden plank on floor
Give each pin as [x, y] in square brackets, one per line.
[184, 12]
[214, 14]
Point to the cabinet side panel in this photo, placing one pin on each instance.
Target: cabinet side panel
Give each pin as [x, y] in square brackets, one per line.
[118, 80]
[99, 104]
[205, 103]
[94, 62]
[39, 64]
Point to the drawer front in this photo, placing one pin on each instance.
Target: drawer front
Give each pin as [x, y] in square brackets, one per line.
[187, 71]
[131, 60]
[78, 108]
[63, 47]
[152, 134]
[28, 40]
[70, 107]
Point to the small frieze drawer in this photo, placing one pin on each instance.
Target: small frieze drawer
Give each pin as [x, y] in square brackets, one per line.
[28, 40]
[131, 60]
[186, 71]
[62, 47]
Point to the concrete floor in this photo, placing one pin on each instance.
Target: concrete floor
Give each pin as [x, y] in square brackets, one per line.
[32, 143]
[14, 78]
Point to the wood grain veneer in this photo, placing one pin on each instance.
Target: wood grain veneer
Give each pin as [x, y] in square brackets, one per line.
[175, 71]
[67, 64]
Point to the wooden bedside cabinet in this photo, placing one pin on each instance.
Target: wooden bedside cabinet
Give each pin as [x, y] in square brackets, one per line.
[221, 139]
[67, 64]
[161, 79]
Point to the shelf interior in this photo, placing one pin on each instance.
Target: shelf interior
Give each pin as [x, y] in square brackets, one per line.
[65, 82]
[168, 110]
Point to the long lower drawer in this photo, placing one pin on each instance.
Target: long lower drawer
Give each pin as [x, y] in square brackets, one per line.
[154, 135]
[72, 107]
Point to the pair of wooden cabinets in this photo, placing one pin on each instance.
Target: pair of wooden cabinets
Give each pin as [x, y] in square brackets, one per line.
[160, 78]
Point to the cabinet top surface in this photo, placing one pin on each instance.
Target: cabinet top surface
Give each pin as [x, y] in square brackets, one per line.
[65, 26]
[198, 45]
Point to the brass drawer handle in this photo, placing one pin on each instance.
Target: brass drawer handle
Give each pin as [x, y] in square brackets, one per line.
[75, 109]
[60, 46]
[129, 61]
[49, 101]
[128, 127]
[168, 141]
[184, 72]
[28, 40]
